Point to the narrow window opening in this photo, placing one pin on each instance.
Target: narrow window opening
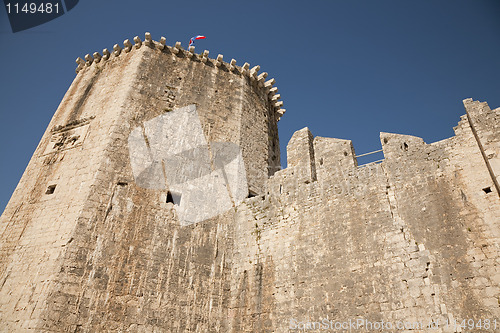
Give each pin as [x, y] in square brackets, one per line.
[174, 198]
[50, 189]
[405, 146]
[321, 161]
[487, 190]
[251, 194]
[122, 183]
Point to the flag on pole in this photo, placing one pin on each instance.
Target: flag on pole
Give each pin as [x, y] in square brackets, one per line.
[191, 41]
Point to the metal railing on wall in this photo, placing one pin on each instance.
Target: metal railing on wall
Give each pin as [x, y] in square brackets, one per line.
[369, 153]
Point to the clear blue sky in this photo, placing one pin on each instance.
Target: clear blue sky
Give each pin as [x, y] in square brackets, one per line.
[345, 68]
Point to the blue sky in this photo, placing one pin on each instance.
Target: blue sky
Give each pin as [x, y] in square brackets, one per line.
[348, 69]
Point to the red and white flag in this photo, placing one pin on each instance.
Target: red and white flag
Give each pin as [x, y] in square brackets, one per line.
[191, 41]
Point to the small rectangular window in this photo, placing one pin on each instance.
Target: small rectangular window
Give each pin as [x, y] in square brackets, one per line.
[50, 189]
[174, 198]
[252, 194]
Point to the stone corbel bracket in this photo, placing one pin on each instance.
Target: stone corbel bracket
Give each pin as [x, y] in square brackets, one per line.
[259, 80]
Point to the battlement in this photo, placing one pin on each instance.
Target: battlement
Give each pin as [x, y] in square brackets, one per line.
[259, 80]
[332, 161]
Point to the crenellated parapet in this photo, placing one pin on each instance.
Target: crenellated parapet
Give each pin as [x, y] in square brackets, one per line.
[259, 80]
[334, 162]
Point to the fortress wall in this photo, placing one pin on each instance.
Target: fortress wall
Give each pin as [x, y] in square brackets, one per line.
[485, 127]
[325, 249]
[258, 132]
[37, 227]
[232, 107]
[128, 264]
[440, 198]
[140, 270]
[143, 271]
[412, 239]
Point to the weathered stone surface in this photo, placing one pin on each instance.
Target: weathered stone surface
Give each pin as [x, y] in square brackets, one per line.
[86, 247]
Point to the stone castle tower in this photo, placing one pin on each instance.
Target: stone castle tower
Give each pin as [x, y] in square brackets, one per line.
[154, 203]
